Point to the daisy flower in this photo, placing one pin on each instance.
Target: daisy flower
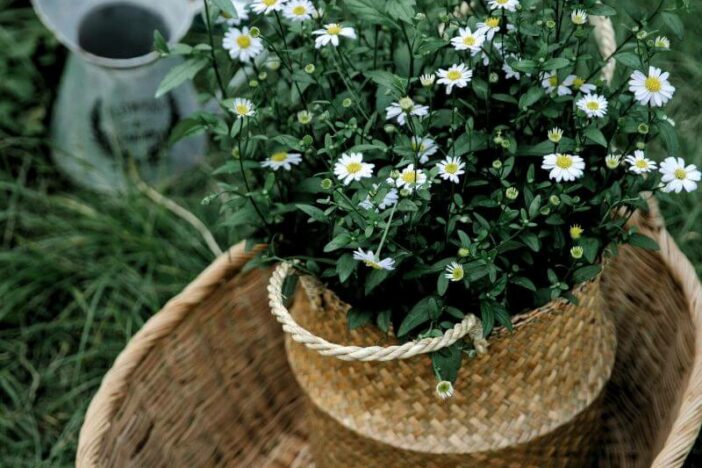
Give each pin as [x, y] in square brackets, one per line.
[282, 159]
[468, 40]
[424, 148]
[579, 84]
[509, 5]
[351, 167]
[678, 176]
[427, 80]
[555, 135]
[612, 161]
[639, 163]
[298, 10]
[331, 33]
[454, 272]
[654, 90]
[372, 261]
[456, 75]
[266, 6]
[489, 28]
[551, 84]
[578, 17]
[388, 200]
[564, 167]
[450, 168]
[411, 178]
[662, 42]
[594, 105]
[243, 108]
[241, 44]
[404, 107]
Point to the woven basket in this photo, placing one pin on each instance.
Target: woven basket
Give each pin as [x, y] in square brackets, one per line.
[206, 382]
[532, 399]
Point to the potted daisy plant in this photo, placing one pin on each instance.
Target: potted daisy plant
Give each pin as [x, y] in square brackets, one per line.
[429, 161]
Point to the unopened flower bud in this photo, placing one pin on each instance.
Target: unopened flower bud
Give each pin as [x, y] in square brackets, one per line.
[577, 252]
[463, 252]
[512, 193]
[327, 184]
[255, 32]
[309, 68]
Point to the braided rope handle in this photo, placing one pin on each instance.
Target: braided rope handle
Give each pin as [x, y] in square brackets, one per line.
[470, 327]
[607, 40]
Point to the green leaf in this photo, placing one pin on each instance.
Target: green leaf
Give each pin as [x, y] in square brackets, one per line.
[531, 97]
[387, 80]
[669, 136]
[629, 59]
[342, 240]
[160, 43]
[644, 242]
[419, 315]
[345, 266]
[586, 273]
[556, 64]
[366, 10]
[374, 278]
[480, 87]
[383, 320]
[447, 362]
[674, 23]
[180, 74]
[358, 318]
[487, 313]
[532, 241]
[186, 128]
[313, 212]
[442, 284]
[594, 134]
[402, 10]
[524, 282]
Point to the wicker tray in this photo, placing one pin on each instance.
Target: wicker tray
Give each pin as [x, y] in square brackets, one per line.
[206, 381]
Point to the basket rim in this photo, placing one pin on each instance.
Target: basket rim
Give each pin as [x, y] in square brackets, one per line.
[113, 388]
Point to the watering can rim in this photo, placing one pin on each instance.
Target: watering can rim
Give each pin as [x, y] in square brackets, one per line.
[194, 8]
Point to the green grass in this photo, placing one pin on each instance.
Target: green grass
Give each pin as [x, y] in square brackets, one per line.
[81, 273]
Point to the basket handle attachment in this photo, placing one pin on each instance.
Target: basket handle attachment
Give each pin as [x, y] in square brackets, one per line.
[470, 327]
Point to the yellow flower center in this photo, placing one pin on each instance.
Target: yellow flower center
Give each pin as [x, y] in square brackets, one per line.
[593, 105]
[242, 109]
[279, 157]
[642, 164]
[469, 40]
[333, 29]
[419, 148]
[653, 85]
[553, 81]
[457, 274]
[243, 41]
[299, 10]
[354, 167]
[409, 177]
[372, 264]
[564, 161]
[451, 168]
[578, 83]
[576, 232]
[492, 22]
[407, 104]
[454, 75]
[270, 3]
[680, 174]
[502, 2]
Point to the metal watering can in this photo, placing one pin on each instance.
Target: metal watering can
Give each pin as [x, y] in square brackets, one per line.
[106, 111]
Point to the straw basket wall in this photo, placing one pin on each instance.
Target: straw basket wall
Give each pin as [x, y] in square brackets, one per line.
[532, 399]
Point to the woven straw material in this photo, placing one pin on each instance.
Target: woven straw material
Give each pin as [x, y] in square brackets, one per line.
[206, 382]
[521, 392]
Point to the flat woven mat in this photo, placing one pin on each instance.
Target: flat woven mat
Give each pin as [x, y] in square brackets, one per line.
[206, 381]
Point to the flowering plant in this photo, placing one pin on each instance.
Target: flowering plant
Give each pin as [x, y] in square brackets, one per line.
[428, 159]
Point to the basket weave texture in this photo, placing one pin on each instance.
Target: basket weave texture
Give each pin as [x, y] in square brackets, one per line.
[206, 382]
[519, 402]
